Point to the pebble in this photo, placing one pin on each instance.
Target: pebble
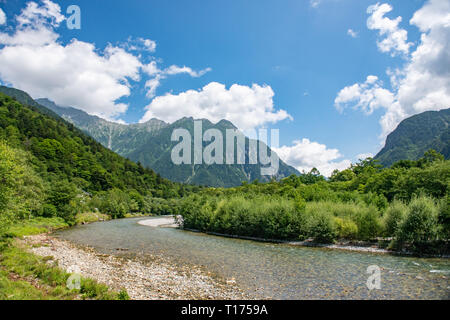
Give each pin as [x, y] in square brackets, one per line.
[154, 279]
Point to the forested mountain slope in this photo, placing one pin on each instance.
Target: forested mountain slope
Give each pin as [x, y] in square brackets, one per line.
[417, 134]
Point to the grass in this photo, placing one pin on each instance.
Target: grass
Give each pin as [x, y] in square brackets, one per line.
[36, 226]
[25, 276]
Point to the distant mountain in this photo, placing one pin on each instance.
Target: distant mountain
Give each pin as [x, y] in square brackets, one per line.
[150, 144]
[26, 99]
[120, 138]
[417, 134]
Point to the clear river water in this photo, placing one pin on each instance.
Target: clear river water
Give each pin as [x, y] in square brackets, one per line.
[267, 270]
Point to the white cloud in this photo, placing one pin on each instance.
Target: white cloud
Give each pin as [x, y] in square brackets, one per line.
[247, 107]
[352, 33]
[140, 44]
[424, 81]
[36, 15]
[314, 3]
[2, 17]
[77, 74]
[157, 75]
[367, 96]
[177, 70]
[305, 155]
[395, 39]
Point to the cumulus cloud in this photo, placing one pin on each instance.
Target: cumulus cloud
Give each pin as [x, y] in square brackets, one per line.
[422, 84]
[75, 74]
[247, 107]
[2, 17]
[305, 155]
[394, 39]
[367, 96]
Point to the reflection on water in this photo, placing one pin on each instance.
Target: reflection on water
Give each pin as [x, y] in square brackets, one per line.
[275, 270]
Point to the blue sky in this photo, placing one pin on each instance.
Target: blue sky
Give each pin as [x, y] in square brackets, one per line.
[301, 49]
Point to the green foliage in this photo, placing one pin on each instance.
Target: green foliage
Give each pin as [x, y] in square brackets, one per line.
[269, 218]
[114, 202]
[321, 228]
[36, 225]
[59, 151]
[346, 228]
[48, 211]
[123, 295]
[21, 189]
[48, 168]
[17, 261]
[369, 223]
[394, 216]
[444, 217]
[420, 225]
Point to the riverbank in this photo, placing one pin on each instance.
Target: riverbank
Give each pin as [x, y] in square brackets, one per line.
[364, 247]
[152, 279]
[268, 270]
[170, 222]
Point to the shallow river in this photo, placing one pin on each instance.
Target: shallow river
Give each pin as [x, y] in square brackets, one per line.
[276, 271]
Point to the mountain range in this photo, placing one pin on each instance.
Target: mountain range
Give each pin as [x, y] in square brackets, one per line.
[150, 144]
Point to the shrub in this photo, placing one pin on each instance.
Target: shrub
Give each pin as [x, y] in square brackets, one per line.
[394, 216]
[123, 295]
[321, 228]
[48, 211]
[261, 216]
[345, 228]
[420, 225]
[368, 222]
[444, 218]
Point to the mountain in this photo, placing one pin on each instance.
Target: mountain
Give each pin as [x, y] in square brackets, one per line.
[120, 138]
[156, 152]
[26, 99]
[61, 152]
[415, 135]
[150, 144]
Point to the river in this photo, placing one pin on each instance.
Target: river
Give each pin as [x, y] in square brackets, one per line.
[267, 270]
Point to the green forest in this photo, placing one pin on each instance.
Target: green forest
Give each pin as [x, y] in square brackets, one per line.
[406, 206]
[51, 170]
[48, 168]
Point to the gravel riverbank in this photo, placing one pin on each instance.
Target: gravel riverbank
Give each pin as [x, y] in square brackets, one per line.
[152, 279]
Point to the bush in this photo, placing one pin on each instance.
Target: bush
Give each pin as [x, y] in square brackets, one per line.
[444, 218]
[365, 218]
[345, 228]
[420, 225]
[261, 216]
[123, 295]
[394, 216]
[321, 228]
[368, 222]
[48, 211]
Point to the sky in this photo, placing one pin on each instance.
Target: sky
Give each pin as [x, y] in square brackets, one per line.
[334, 76]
